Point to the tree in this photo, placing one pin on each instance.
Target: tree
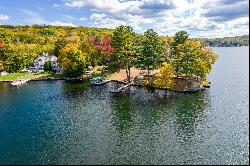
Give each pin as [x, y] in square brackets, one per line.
[164, 79]
[195, 59]
[1, 42]
[72, 60]
[47, 66]
[123, 43]
[100, 50]
[151, 51]
[59, 44]
[180, 38]
[1, 65]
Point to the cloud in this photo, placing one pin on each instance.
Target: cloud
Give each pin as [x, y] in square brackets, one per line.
[199, 18]
[83, 19]
[68, 17]
[97, 16]
[228, 12]
[158, 5]
[32, 17]
[4, 17]
[230, 2]
[59, 23]
[102, 4]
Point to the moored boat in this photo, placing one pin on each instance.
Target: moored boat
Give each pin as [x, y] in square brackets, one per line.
[18, 82]
[98, 81]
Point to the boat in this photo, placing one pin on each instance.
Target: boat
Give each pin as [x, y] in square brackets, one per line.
[18, 82]
[98, 81]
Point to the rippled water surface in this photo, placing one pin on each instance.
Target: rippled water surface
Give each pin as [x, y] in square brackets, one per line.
[60, 122]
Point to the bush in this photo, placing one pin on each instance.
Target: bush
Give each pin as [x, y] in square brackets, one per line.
[47, 66]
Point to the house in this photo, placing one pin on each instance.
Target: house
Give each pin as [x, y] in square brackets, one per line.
[3, 73]
[38, 64]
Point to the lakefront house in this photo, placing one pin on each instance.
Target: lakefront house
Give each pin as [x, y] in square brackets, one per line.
[3, 73]
[38, 64]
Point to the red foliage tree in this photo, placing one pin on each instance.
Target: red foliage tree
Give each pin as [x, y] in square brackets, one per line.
[1, 42]
[102, 44]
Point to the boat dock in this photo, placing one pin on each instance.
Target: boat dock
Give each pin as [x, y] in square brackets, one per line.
[120, 88]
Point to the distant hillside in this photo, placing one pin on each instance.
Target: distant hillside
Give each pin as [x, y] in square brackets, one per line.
[227, 41]
[39, 34]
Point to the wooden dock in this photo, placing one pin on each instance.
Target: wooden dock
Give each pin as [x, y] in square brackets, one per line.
[120, 88]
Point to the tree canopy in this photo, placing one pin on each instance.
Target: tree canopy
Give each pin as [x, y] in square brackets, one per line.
[120, 48]
[123, 43]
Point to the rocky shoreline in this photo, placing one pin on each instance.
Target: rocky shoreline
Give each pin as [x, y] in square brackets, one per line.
[189, 90]
[175, 89]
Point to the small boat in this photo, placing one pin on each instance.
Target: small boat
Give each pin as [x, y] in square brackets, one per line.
[18, 82]
[98, 81]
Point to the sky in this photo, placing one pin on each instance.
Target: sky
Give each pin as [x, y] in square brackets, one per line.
[200, 18]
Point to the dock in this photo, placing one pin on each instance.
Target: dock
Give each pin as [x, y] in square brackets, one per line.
[120, 88]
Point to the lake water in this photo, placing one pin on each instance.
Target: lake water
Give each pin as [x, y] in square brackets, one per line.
[59, 122]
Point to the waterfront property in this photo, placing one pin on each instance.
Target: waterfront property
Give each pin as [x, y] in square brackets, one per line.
[64, 122]
[3, 73]
[38, 64]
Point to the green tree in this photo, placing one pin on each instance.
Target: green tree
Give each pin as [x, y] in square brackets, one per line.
[195, 59]
[47, 66]
[175, 58]
[152, 50]
[123, 43]
[180, 38]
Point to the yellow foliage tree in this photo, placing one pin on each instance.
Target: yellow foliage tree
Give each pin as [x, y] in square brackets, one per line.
[72, 60]
[164, 79]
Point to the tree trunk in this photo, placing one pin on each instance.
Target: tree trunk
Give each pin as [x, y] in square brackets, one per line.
[129, 74]
[148, 70]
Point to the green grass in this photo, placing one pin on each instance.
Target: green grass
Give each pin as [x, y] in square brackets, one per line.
[45, 76]
[15, 76]
[31, 76]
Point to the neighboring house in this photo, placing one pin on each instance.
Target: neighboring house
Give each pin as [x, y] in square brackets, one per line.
[3, 73]
[40, 61]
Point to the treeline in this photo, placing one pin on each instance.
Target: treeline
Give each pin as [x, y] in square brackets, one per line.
[227, 41]
[120, 48]
[21, 45]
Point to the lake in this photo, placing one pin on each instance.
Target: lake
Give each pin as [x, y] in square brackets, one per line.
[58, 122]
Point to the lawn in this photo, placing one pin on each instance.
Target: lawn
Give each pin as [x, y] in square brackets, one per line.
[15, 76]
[30, 76]
[45, 76]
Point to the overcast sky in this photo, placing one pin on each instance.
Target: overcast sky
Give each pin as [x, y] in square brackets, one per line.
[200, 18]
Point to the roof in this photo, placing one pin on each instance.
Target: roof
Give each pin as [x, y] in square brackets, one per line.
[46, 57]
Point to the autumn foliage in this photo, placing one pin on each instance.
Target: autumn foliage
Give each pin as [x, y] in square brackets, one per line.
[1, 42]
[103, 45]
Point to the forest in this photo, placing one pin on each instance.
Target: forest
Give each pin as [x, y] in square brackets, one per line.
[227, 41]
[120, 48]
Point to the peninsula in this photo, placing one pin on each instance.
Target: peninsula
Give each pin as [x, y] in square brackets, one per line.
[61, 52]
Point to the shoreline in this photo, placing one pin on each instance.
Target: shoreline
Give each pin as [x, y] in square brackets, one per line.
[118, 81]
[167, 89]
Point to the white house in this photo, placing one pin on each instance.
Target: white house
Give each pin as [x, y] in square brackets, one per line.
[40, 61]
[3, 73]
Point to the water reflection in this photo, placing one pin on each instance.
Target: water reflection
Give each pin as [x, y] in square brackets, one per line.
[189, 110]
[75, 88]
[122, 110]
